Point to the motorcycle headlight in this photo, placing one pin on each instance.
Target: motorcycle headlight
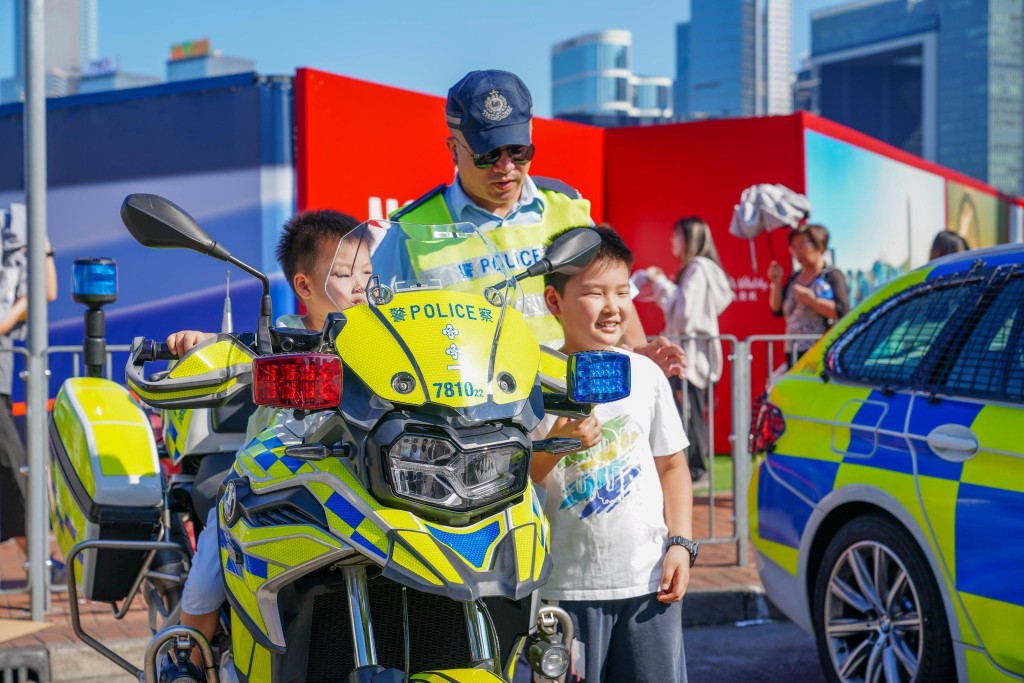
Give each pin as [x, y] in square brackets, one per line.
[433, 470]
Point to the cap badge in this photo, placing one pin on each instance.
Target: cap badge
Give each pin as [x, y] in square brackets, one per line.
[496, 106]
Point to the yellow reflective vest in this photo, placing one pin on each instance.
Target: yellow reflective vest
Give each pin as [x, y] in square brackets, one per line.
[518, 245]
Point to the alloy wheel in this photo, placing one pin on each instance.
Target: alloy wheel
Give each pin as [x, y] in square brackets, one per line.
[872, 616]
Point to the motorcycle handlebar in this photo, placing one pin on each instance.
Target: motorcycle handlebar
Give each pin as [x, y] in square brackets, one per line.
[153, 350]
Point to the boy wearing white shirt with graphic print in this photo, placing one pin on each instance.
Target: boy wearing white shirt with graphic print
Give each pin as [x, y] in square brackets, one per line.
[621, 508]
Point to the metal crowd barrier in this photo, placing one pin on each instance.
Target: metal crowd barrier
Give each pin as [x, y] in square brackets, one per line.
[776, 354]
[741, 359]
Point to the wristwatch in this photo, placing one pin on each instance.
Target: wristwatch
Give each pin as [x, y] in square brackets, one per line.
[691, 546]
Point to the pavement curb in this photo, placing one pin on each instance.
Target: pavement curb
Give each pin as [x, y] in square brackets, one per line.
[702, 608]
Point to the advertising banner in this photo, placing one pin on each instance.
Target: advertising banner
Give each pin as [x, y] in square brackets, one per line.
[882, 215]
[980, 218]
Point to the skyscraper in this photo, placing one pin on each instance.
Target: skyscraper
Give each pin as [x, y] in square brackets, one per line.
[736, 59]
[71, 29]
[592, 81]
[938, 78]
[778, 49]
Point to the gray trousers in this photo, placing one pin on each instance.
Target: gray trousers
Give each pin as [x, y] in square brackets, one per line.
[633, 639]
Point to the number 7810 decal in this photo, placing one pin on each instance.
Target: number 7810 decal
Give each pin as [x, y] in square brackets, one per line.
[452, 389]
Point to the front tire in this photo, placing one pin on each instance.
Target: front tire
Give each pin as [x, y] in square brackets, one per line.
[878, 614]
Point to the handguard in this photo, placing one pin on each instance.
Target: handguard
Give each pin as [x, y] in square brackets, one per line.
[208, 375]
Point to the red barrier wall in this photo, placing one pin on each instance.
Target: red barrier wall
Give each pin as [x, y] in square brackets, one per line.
[656, 175]
[356, 140]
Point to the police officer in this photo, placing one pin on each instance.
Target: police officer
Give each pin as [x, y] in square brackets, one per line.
[489, 115]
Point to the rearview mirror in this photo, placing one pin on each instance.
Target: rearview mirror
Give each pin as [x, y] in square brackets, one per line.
[157, 222]
[160, 223]
[570, 253]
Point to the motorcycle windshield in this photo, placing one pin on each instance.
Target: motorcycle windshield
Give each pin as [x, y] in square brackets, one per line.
[430, 316]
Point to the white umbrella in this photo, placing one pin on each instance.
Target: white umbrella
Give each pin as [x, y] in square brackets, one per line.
[764, 208]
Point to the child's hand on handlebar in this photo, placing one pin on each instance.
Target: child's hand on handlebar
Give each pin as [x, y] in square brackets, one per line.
[180, 342]
[587, 430]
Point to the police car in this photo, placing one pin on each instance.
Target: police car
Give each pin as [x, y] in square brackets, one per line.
[888, 511]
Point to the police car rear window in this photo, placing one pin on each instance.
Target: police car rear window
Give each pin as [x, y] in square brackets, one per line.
[989, 363]
[888, 348]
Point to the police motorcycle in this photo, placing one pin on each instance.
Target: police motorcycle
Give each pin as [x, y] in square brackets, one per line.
[384, 529]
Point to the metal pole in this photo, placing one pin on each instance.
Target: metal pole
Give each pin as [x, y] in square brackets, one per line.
[741, 446]
[35, 194]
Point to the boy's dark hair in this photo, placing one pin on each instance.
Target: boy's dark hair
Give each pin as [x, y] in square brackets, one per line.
[613, 249]
[307, 233]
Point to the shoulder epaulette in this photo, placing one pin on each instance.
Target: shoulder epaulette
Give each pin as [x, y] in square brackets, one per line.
[419, 202]
[555, 185]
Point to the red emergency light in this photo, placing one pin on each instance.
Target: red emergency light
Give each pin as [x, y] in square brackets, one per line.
[302, 381]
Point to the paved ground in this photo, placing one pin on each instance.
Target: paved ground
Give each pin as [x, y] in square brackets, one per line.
[777, 651]
[720, 592]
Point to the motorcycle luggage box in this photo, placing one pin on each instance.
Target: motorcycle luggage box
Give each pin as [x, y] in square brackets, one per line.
[105, 482]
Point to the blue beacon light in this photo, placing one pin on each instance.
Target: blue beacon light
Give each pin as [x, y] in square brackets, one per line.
[598, 376]
[94, 281]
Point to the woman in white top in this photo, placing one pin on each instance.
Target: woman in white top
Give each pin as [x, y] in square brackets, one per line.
[692, 304]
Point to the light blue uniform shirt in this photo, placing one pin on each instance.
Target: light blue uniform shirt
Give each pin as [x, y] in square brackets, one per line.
[528, 209]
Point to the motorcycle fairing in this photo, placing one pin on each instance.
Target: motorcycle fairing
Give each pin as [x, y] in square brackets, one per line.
[453, 334]
[553, 366]
[258, 560]
[252, 660]
[504, 554]
[209, 374]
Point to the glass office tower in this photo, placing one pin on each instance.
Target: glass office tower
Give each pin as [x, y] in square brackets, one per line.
[592, 81]
[939, 78]
[733, 59]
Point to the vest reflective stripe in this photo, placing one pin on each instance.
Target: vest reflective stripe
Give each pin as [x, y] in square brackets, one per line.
[518, 245]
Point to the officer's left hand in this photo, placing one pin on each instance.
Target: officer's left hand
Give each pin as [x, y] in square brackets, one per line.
[669, 357]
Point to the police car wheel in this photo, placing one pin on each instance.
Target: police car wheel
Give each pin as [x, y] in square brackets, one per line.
[878, 614]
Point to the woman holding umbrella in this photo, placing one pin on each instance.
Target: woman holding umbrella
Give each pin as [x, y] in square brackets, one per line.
[814, 297]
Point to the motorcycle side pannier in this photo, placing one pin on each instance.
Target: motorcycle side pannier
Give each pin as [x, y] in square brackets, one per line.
[106, 482]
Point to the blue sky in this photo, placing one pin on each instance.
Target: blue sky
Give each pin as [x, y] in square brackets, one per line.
[414, 44]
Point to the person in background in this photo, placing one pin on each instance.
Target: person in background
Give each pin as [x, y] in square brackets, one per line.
[692, 302]
[621, 509]
[814, 297]
[13, 313]
[947, 242]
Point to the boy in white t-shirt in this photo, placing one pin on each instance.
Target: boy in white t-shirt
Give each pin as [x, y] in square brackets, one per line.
[621, 508]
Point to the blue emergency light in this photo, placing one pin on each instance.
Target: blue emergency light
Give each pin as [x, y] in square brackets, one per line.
[94, 281]
[597, 376]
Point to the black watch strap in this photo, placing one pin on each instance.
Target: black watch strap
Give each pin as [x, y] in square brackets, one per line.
[691, 546]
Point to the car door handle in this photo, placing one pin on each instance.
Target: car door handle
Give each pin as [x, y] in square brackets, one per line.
[953, 442]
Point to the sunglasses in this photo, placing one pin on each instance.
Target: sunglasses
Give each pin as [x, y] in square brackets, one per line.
[520, 154]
